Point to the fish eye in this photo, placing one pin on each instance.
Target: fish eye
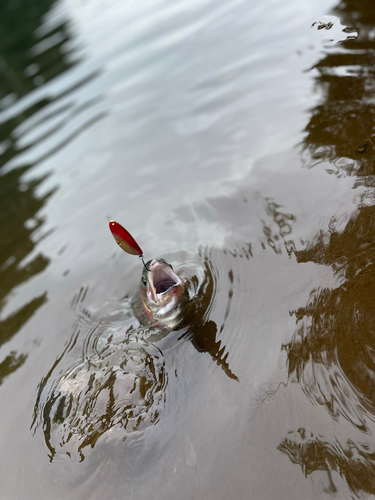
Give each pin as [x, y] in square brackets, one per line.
[144, 281]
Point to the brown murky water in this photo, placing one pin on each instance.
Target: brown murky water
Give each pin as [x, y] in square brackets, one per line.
[236, 140]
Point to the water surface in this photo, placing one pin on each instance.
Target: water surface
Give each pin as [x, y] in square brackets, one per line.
[236, 141]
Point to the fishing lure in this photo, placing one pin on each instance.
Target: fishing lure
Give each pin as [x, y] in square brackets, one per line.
[163, 291]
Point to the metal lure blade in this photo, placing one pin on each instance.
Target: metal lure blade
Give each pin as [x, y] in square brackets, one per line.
[124, 239]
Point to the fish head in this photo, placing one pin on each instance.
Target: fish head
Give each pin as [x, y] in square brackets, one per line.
[163, 293]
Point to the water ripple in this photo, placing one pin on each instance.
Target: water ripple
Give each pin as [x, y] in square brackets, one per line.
[113, 394]
[116, 388]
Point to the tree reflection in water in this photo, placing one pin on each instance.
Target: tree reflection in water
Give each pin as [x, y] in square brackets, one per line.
[351, 460]
[332, 353]
[23, 68]
[341, 127]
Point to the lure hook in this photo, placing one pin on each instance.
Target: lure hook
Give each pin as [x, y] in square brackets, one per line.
[144, 265]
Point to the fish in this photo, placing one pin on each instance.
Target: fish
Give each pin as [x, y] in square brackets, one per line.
[164, 294]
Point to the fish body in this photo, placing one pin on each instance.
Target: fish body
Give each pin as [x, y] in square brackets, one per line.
[163, 293]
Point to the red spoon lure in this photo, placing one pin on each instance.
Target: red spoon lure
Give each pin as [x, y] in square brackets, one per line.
[125, 240]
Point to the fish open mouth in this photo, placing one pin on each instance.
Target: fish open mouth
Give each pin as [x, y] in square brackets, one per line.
[163, 279]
